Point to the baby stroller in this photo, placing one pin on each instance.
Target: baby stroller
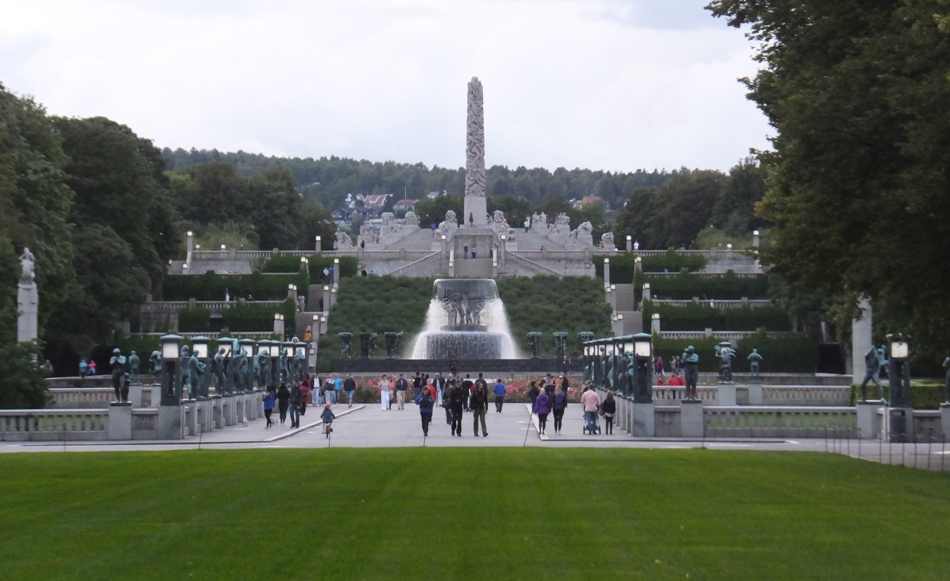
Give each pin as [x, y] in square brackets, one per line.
[596, 428]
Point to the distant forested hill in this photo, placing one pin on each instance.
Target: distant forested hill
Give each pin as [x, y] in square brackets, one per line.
[329, 180]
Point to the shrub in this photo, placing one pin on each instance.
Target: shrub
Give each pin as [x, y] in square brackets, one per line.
[194, 320]
[211, 286]
[699, 316]
[685, 287]
[622, 265]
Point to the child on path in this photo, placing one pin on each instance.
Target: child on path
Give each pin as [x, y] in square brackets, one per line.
[327, 416]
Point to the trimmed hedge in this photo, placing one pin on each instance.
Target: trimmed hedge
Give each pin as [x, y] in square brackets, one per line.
[622, 265]
[211, 286]
[349, 266]
[700, 316]
[785, 355]
[684, 286]
[194, 320]
[250, 318]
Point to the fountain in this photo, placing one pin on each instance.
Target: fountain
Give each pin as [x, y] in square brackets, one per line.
[466, 320]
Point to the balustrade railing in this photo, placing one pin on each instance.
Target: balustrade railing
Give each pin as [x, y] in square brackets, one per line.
[774, 422]
[51, 425]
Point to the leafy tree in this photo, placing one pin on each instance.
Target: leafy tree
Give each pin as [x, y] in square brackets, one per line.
[515, 208]
[275, 208]
[22, 380]
[432, 211]
[34, 201]
[119, 183]
[857, 92]
[734, 212]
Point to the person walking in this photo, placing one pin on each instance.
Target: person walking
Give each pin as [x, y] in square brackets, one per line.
[533, 394]
[542, 407]
[402, 386]
[270, 400]
[558, 406]
[283, 401]
[609, 408]
[479, 405]
[426, 403]
[457, 404]
[591, 402]
[304, 397]
[327, 416]
[500, 391]
[384, 388]
[349, 387]
[296, 399]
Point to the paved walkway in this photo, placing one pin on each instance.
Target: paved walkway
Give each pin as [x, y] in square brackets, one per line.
[368, 426]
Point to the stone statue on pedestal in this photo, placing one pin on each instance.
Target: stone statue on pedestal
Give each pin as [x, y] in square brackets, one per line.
[726, 354]
[119, 384]
[345, 339]
[27, 262]
[134, 367]
[946, 379]
[560, 345]
[218, 369]
[691, 372]
[534, 343]
[873, 361]
[754, 359]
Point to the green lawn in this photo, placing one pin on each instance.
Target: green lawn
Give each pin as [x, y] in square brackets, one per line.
[487, 513]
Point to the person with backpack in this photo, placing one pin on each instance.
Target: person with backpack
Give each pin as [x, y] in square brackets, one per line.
[500, 391]
[557, 407]
[426, 403]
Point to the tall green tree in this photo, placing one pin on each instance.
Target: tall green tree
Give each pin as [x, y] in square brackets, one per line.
[432, 211]
[34, 199]
[858, 179]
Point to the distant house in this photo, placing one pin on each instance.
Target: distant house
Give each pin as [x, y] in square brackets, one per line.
[589, 200]
[405, 205]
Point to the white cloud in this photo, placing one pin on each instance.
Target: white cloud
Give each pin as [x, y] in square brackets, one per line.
[606, 85]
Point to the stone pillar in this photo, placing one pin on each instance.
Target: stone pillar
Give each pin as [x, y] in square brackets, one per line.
[120, 421]
[336, 272]
[900, 424]
[655, 324]
[869, 419]
[644, 420]
[156, 395]
[646, 291]
[755, 393]
[135, 394]
[860, 340]
[945, 419]
[279, 326]
[169, 422]
[317, 245]
[217, 411]
[691, 419]
[726, 394]
[607, 272]
[28, 305]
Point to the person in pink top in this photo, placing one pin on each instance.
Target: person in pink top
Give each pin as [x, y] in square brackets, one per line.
[591, 402]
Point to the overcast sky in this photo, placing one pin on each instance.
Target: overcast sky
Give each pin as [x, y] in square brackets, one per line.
[615, 85]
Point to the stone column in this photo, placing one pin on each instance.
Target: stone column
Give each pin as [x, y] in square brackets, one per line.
[607, 272]
[755, 392]
[655, 324]
[317, 245]
[860, 340]
[28, 305]
[336, 272]
[869, 419]
[644, 420]
[169, 422]
[120, 421]
[691, 419]
[945, 419]
[726, 394]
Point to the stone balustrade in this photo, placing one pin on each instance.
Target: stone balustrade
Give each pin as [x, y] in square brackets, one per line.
[779, 422]
[716, 304]
[213, 306]
[726, 335]
[53, 425]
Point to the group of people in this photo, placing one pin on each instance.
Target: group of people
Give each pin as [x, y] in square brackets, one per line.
[294, 400]
[549, 396]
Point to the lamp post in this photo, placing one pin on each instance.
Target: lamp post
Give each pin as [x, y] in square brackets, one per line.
[898, 375]
[274, 347]
[279, 325]
[643, 370]
[171, 345]
[629, 243]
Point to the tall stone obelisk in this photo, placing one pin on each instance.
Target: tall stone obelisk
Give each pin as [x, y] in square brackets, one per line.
[475, 207]
[27, 300]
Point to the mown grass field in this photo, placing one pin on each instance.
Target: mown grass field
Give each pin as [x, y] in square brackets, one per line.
[469, 514]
